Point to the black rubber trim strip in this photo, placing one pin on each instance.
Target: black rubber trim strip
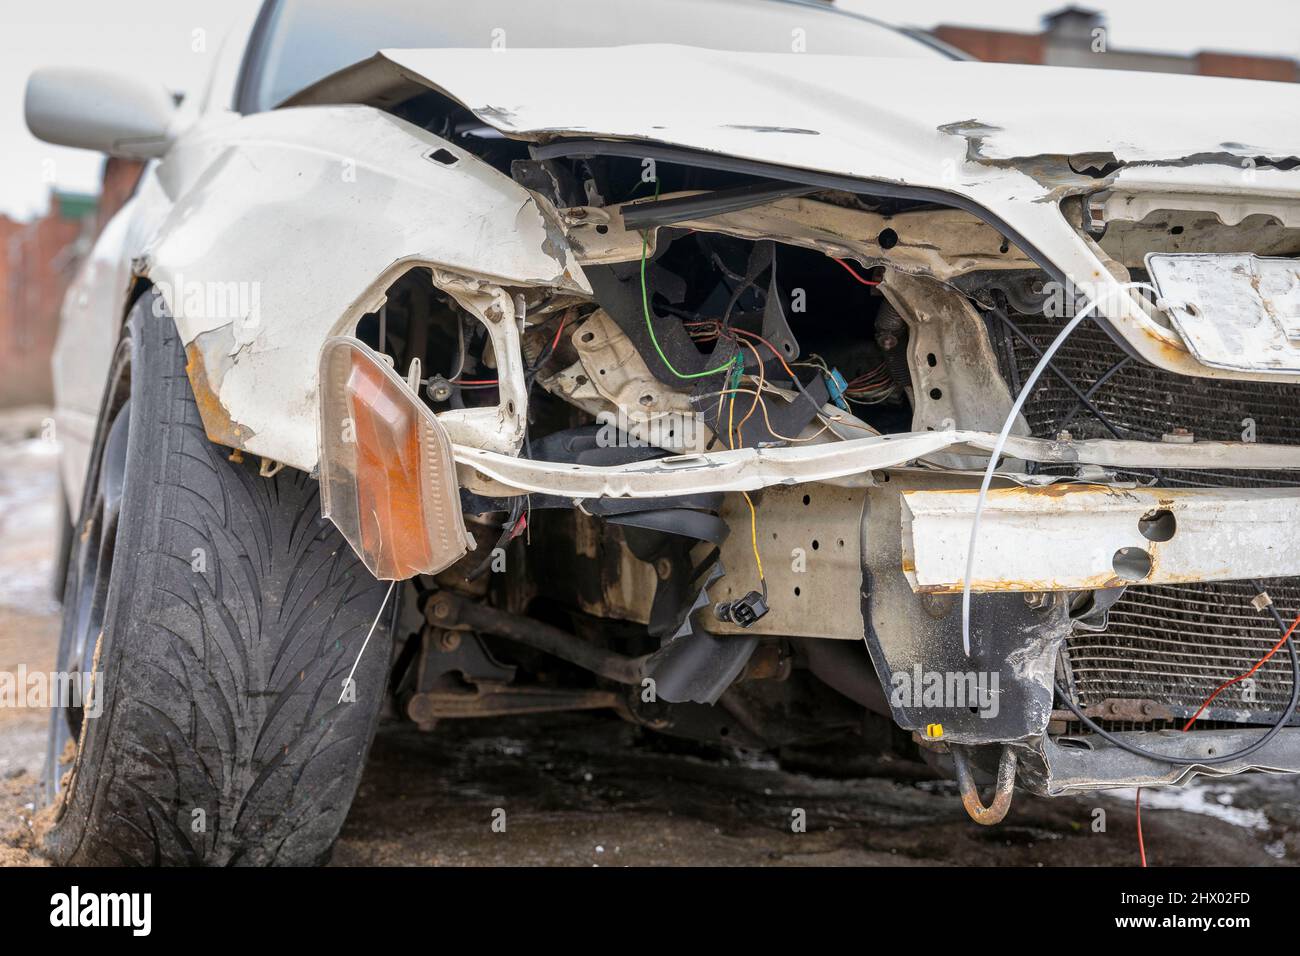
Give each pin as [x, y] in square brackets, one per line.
[587, 148]
[665, 212]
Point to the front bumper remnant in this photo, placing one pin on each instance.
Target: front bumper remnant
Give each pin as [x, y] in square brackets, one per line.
[1069, 537]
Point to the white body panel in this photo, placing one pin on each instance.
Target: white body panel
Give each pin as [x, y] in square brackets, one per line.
[316, 208]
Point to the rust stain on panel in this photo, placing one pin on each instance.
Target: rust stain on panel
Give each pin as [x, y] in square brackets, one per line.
[217, 422]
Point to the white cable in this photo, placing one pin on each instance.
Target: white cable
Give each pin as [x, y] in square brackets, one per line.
[348, 681]
[996, 454]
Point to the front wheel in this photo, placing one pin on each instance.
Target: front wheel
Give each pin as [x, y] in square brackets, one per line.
[219, 615]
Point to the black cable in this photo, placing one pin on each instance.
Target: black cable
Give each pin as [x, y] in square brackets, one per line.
[1246, 751]
[1052, 367]
[517, 504]
[1092, 390]
[508, 530]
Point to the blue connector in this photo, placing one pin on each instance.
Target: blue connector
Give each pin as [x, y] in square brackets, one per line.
[836, 385]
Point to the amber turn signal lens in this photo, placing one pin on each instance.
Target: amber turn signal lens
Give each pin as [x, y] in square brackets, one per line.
[387, 476]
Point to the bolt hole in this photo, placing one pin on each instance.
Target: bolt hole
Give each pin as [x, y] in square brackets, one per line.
[807, 499]
[887, 239]
[1131, 564]
[602, 229]
[1158, 525]
[936, 393]
[797, 592]
[816, 544]
[588, 336]
[1176, 231]
[932, 360]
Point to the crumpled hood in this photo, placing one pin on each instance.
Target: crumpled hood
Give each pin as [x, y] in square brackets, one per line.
[911, 121]
[1004, 142]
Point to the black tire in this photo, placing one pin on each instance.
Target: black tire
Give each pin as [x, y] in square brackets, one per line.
[222, 615]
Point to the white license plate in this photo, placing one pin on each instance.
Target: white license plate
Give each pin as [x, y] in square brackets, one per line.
[1235, 311]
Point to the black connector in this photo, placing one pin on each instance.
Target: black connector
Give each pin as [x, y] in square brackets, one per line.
[744, 611]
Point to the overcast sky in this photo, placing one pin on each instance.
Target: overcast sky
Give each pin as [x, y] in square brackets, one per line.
[157, 38]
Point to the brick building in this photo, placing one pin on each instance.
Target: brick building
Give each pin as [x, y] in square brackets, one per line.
[38, 260]
[1074, 36]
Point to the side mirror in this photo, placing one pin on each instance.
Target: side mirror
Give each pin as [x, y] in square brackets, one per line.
[93, 109]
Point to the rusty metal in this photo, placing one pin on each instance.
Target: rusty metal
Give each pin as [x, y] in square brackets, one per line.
[769, 662]
[996, 811]
[220, 428]
[1070, 537]
[452, 611]
[1132, 710]
[500, 700]
[1115, 709]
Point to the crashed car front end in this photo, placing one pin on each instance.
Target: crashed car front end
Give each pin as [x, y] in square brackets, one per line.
[735, 365]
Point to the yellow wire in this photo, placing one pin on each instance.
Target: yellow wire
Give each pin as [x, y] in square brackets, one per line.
[753, 515]
[753, 534]
[722, 395]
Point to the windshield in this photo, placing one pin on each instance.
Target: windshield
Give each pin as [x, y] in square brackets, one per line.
[306, 40]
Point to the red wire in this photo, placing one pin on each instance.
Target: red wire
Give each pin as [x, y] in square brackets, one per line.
[854, 274]
[560, 331]
[1228, 683]
[1142, 850]
[492, 381]
[1142, 847]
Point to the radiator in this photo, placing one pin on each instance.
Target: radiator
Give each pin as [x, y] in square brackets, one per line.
[1171, 644]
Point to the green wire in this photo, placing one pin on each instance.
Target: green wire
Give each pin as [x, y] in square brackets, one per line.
[650, 327]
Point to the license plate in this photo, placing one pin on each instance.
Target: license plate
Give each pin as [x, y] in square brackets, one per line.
[1234, 311]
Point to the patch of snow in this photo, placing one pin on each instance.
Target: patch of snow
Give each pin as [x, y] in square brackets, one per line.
[1208, 798]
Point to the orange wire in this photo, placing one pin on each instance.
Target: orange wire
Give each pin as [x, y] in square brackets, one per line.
[757, 393]
[1142, 847]
[771, 347]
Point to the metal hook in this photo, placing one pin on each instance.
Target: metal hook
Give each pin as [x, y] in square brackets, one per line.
[970, 795]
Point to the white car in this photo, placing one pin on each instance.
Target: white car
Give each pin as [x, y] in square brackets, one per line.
[752, 370]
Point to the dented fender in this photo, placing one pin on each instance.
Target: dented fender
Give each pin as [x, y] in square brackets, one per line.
[288, 226]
